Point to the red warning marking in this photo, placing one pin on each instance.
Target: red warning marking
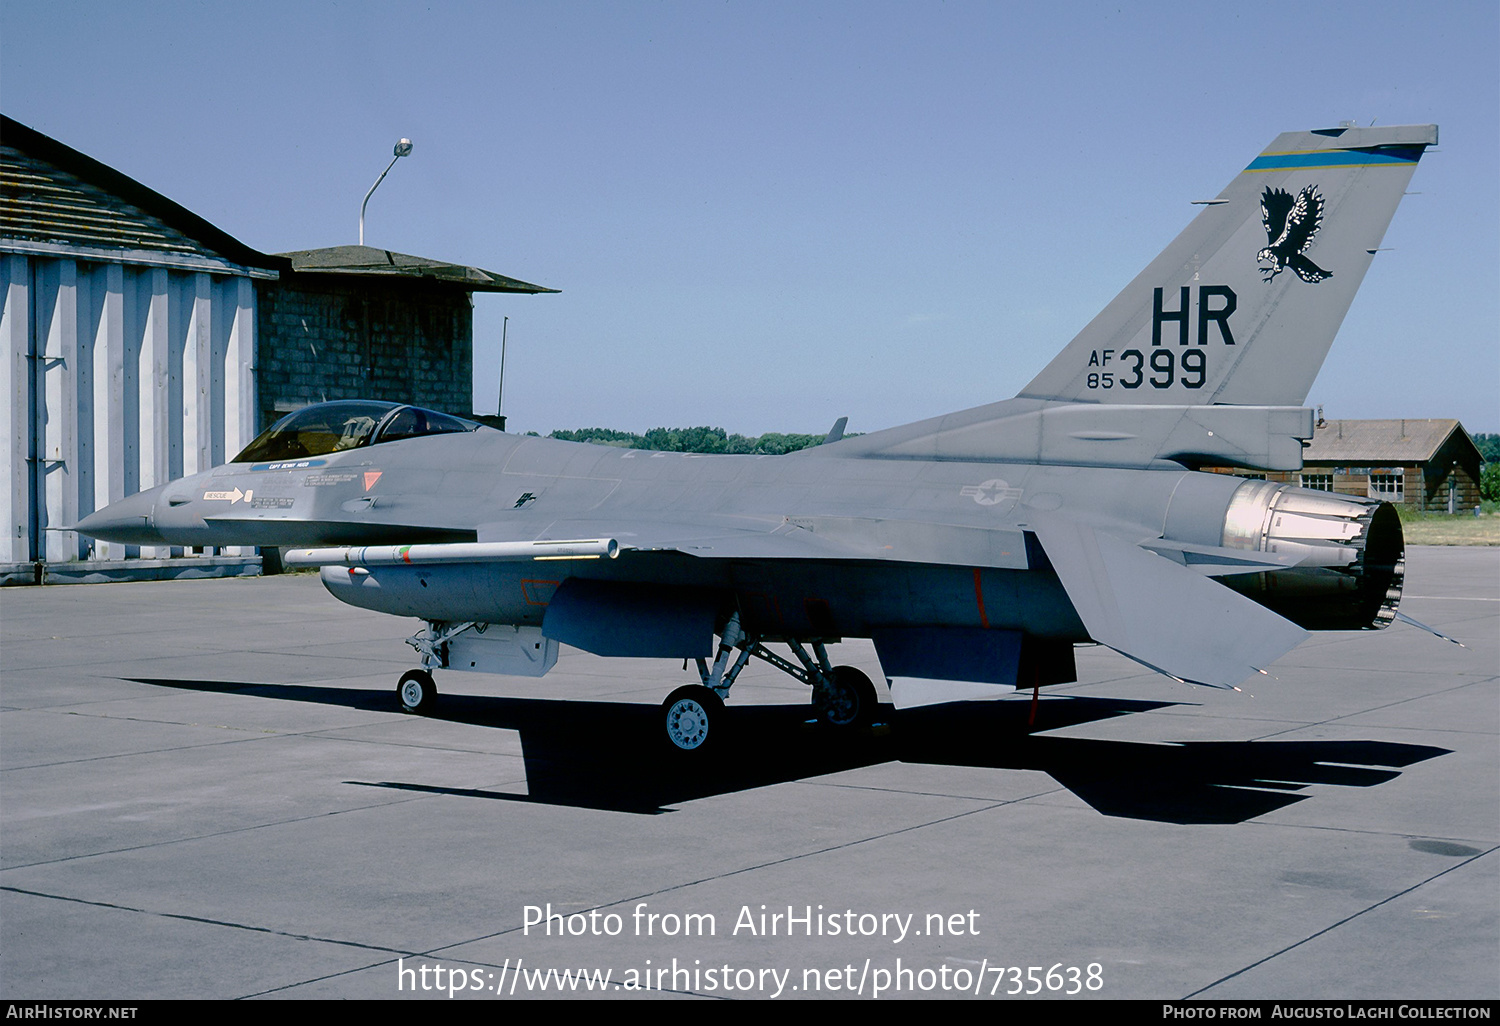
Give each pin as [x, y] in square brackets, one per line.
[984, 620]
[539, 593]
[371, 476]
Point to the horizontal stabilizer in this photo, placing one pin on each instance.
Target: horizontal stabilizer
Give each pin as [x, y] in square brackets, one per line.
[1161, 614]
[1217, 561]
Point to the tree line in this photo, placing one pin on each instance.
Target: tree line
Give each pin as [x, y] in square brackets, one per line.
[694, 439]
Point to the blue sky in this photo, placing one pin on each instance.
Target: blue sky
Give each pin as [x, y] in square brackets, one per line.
[767, 215]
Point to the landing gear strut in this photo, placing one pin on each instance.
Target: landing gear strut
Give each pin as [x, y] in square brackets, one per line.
[843, 696]
[416, 690]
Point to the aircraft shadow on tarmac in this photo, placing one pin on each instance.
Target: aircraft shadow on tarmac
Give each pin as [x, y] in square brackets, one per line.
[591, 754]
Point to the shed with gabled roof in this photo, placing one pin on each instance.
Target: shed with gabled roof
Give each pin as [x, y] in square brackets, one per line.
[1426, 464]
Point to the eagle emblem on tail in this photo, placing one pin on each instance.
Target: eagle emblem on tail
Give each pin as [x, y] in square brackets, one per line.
[1290, 223]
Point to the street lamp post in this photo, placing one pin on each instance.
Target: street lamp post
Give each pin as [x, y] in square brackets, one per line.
[403, 148]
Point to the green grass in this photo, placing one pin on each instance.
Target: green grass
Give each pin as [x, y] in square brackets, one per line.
[1458, 529]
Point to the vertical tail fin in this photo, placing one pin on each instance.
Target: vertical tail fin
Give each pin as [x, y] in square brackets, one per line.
[1242, 306]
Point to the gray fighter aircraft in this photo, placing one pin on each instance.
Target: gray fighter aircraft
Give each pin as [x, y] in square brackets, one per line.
[979, 546]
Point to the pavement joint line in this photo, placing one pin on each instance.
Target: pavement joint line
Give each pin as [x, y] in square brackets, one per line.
[921, 794]
[215, 833]
[1391, 705]
[1371, 833]
[464, 961]
[131, 755]
[758, 866]
[1315, 668]
[499, 933]
[1375, 726]
[258, 734]
[1334, 926]
[321, 735]
[347, 972]
[63, 707]
[207, 921]
[168, 692]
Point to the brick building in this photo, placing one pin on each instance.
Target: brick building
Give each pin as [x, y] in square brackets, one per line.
[359, 322]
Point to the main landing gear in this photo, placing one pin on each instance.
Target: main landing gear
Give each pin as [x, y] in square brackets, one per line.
[692, 719]
[693, 716]
[849, 700]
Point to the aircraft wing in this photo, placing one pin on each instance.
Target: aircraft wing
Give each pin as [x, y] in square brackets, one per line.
[1160, 613]
[730, 537]
[1171, 617]
[814, 537]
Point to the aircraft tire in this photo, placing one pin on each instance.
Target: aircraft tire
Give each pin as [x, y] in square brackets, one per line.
[693, 724]
[855, 703]
[417, 692]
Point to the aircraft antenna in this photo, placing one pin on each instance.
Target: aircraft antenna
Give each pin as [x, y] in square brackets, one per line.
[500, 399]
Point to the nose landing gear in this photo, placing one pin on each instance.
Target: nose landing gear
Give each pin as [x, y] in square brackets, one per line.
[417, 692]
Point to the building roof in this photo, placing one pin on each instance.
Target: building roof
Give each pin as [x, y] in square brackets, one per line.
[382, 263]
[1381, 441]
[55, 199]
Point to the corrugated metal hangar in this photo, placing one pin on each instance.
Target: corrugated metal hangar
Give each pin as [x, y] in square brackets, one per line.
[141, 343]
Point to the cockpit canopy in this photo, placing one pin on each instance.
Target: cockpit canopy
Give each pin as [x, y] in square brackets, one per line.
[346, 424]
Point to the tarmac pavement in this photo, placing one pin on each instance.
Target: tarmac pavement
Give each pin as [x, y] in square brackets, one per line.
[207, 791]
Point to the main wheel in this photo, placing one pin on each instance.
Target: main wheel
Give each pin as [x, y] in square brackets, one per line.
[416, 691]
[693, 716]
[852, 701]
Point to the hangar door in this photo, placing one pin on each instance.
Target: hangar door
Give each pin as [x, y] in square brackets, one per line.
[116, 377]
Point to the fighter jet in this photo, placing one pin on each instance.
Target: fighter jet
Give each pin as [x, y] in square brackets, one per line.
[979, 546]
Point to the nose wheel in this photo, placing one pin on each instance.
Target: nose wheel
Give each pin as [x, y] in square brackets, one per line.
[417, 692]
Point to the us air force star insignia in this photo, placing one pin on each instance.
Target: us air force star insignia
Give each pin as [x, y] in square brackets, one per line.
[992, 493]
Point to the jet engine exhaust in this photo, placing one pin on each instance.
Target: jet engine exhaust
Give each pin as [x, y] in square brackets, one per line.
[1351, 555]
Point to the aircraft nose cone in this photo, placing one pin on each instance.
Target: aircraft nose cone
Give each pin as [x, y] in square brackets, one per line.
[130, 520]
